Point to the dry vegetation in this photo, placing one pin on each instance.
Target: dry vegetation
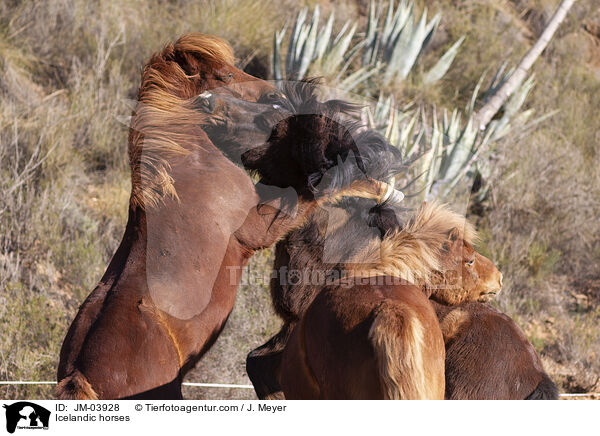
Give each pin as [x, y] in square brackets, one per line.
[67, 68]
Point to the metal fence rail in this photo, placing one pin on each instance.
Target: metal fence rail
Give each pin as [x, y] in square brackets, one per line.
[227, 386]
[202, 385]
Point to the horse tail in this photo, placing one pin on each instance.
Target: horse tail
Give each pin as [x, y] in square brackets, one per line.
[397, 336]
[75, 387]
[545, 390]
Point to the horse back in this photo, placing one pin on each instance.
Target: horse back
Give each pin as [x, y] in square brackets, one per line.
[337, 341]
[487, 355]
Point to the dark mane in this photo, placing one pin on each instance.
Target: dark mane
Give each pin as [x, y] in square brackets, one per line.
[328, 151]
[302, 98]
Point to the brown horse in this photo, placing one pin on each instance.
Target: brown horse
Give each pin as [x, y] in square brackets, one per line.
[410, 254]
[194, 221]
[365, 342]
[489, 358]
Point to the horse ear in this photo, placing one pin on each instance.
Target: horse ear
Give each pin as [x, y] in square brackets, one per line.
[451, 241]
[454, 235]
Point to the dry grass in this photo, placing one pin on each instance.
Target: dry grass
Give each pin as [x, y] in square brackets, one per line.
[541, 225]
[67, 68]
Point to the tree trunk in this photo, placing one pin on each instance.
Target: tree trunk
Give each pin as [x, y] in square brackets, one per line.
[486, 113]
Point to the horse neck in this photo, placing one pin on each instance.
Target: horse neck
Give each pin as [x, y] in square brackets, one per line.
[129, 259]
[187, 254]
[189, 240]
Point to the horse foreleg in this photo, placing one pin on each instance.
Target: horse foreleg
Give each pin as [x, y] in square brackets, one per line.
[263, 365]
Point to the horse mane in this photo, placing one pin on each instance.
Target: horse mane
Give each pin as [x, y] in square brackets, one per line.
[413, 251]
[164, 124]
[328, 146]
[302, 98]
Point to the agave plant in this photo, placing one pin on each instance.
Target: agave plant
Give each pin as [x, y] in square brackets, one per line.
[398, 39]
[394, 40]
[313, 47]
[449, 150]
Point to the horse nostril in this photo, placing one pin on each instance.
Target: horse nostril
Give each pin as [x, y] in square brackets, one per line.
[262, 123]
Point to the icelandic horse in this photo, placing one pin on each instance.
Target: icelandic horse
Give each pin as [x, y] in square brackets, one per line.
[195, 219]
[372, 334]
[488, 357]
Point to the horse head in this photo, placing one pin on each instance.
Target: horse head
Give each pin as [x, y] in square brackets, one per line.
[466, 275]
[294, 140]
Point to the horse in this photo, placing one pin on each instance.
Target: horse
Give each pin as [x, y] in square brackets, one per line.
[383, 329]
[488, 357]
[194, 220]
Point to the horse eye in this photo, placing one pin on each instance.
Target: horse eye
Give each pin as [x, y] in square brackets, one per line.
[469, 262]
[225, 77]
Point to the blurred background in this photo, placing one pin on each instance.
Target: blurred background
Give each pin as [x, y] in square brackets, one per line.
[531, 176]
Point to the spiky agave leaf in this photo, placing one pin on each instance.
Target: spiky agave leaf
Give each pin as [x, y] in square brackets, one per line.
[443, 64]
[371, 35]
[324, 38]
[276, 60]
[393, 42]
[517, 99]
[309, 44]
[292, 46]
[359, 76]
[470, 108]
[458, 151]
[334, 57]
[411, 42]
[311, 48]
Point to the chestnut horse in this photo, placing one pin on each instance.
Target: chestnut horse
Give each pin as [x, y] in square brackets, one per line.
[434, 240]
[487, 354]
[194, 221]
[488, 357]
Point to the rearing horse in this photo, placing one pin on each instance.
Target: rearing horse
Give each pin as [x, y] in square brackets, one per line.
[194, 222]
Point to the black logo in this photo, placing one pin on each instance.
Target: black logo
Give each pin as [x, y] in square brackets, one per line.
[26, 415]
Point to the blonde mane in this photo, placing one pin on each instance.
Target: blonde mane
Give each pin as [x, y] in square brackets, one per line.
[164, 124]
[414, 252]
